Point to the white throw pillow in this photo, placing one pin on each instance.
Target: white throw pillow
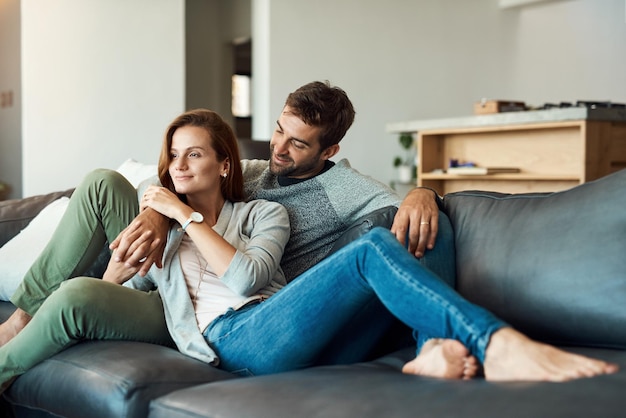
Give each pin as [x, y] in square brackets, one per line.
[136, 172]
[17, 255]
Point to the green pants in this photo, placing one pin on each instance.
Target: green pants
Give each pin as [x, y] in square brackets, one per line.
[68, 311]
[84, 309]
[100, 208]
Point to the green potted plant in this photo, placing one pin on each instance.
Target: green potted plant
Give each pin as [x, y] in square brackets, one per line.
[405, 167]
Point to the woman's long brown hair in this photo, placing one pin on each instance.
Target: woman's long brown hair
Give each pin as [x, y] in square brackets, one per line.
[223, 142]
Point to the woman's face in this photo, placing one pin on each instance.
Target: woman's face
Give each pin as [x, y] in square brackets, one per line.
[194, 167]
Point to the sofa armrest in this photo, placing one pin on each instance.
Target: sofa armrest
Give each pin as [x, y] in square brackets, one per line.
[16, 214]
[380, 217]
[550, 264]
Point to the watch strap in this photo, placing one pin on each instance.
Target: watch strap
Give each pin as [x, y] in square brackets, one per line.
[186, 224]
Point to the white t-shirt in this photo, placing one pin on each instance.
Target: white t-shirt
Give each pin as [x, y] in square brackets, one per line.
[209, 295]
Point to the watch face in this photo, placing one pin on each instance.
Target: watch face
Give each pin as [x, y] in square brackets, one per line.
[197, 217]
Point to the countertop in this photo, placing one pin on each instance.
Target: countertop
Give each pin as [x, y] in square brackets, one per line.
[512, 118]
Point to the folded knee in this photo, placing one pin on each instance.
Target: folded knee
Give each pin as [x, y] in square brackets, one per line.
[378, 234]
[104, 176]
[77, 292]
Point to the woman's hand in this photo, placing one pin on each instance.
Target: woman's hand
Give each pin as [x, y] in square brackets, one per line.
[144, 239]
[142, 243]
[162, 200]
[119, 272]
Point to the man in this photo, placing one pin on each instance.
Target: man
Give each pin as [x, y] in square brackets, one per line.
[323, 199]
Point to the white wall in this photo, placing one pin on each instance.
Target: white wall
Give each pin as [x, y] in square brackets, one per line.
[420, 59]
[10, 115]
[101, 80]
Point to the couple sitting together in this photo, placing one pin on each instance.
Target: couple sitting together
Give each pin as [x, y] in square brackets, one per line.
[227, 261]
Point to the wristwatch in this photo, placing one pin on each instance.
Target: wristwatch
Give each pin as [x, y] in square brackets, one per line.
[194, 217]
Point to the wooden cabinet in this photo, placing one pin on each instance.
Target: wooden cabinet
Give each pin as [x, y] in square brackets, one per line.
[551, 155]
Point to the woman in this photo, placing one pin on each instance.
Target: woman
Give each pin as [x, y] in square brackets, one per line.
[222, 254]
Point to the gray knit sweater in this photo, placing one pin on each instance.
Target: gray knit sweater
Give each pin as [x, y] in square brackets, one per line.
[320, 208]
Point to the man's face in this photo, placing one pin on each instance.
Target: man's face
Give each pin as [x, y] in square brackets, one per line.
[295, 148]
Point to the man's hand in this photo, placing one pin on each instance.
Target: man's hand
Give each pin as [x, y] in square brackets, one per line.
[142, 243]
[418, 215]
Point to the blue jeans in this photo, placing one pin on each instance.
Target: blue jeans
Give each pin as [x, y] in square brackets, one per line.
[291, 329]
[375, 331]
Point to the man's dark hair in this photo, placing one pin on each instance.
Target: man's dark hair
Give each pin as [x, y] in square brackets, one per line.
[319, 104]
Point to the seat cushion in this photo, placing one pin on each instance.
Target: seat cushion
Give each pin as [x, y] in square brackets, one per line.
[107, 379]
[378, 389]
[6, 309]
[553, 265]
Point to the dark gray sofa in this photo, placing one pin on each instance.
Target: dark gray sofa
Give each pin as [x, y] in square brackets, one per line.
[553, 265]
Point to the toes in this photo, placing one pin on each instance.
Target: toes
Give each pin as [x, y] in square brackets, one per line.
[470, 368]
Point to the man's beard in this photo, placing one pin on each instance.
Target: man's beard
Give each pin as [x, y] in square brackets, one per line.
[292, 170]
[280, 170]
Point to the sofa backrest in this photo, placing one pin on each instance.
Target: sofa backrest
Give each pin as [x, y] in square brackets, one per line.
[250, 149]
[552, 265]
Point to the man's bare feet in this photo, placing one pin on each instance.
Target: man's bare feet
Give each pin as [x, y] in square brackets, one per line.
[511, 355]
[12, 326]
[443, 358]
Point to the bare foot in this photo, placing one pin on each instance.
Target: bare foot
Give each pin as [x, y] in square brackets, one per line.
[12, 326]
[443, 358]
[511, 355]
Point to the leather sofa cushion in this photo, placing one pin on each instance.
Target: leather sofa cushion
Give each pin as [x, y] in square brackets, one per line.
[553, 265]
[378, 389]
[107, 379]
